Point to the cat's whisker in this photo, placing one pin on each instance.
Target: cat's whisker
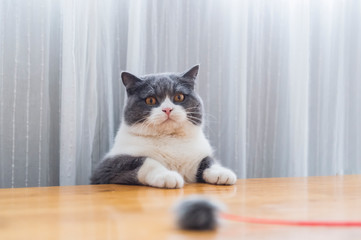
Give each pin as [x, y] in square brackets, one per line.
[143, 118]
[146, 125]
[194, 119]
[187, 111]
[194, 115]
[197, 115]
[194, 108]
[140, 121]
[194, 112]
[197, 118]
[143, 121]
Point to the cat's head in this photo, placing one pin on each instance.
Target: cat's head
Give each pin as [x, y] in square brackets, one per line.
[162, 103]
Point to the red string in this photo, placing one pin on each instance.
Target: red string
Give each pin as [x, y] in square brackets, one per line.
[290, 222]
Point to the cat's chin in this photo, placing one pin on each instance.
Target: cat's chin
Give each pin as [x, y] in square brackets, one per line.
[167, 127]
[168, 121]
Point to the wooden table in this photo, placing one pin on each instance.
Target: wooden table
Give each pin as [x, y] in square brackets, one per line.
[136, 212]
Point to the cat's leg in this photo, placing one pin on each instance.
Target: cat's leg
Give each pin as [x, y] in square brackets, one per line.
[122, 169]
[154, 174]
[211, 172]
[126, 169]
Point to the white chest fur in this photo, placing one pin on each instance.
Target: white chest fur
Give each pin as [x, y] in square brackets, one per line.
[179, 153]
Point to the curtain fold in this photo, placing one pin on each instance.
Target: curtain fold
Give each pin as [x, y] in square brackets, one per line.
[280, 80]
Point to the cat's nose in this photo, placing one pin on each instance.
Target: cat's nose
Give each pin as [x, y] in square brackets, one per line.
[167, 110]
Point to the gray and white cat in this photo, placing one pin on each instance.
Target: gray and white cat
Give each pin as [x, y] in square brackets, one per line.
[160, 142]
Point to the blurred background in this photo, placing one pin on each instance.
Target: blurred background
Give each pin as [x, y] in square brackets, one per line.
[280, 80]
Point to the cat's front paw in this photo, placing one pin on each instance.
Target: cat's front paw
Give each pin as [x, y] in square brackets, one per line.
[219, 175]
[166, 179]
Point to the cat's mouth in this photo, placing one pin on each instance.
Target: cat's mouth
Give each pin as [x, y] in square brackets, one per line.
[168, 119]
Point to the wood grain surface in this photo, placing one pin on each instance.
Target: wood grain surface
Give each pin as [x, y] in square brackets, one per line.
[137, 212]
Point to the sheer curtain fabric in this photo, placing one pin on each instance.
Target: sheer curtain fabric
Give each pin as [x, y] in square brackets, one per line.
[280, 80]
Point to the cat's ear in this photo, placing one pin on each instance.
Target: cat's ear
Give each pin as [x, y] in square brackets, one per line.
[129, 79]
[189, 77]
[191, 73]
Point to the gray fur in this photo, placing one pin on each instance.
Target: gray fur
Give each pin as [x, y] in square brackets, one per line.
[119, 170]
[197, 213]
[203, 165]
[160, 86]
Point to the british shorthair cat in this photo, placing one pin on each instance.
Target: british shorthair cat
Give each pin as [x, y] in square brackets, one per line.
[160, 142]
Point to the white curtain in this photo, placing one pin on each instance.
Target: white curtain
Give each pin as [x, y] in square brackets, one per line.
[281, 81]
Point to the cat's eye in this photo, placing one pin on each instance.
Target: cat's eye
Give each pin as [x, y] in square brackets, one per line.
[179, 97]
[150, 100]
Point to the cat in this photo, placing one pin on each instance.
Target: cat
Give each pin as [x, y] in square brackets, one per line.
[160, 141]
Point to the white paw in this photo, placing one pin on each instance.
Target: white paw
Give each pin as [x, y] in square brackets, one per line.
[166, 179]
[219, 175]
